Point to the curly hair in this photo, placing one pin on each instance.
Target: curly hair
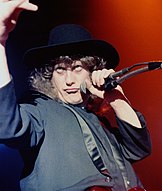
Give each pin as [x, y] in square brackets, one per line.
[40, 78]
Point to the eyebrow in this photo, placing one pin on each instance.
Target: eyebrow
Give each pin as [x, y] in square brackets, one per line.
[63, 65]
[59, 65]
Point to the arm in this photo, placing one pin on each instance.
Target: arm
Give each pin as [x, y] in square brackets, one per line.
[10, 118]
[115, 97]
[21, 125]
[132, 134]
[135, 142]
[9, 12]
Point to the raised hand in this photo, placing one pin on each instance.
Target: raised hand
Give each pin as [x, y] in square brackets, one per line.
[9, 12]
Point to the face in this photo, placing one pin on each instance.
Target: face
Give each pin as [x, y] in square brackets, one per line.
[67, 81]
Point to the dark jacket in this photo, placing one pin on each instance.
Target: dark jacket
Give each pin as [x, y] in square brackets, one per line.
[51, 143]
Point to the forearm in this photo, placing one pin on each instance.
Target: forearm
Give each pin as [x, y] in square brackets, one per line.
[136, 142]
[17, 126]
[4, 71]
[9, 117]
[125, 112]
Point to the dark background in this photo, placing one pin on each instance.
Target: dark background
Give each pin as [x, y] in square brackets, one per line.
[134, 28]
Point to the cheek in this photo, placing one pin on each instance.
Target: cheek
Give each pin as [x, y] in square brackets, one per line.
[84, 76]
[57, 82]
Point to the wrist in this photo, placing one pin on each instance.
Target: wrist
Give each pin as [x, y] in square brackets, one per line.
[114, 96]
[3, 41]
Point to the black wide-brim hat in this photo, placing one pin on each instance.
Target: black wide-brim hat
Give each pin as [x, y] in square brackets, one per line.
[68, 40]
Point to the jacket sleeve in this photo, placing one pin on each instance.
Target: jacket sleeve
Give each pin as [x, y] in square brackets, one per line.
[135, 142]
[19, 127]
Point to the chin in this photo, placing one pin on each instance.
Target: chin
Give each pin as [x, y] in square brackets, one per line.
[72, 99]
[75, 101]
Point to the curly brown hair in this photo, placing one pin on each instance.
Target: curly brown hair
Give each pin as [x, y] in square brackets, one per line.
[40, 78]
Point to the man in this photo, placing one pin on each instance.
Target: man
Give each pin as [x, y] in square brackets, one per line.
[62, 142]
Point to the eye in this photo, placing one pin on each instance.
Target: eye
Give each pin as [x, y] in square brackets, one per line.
[78, 68]
[60, 70]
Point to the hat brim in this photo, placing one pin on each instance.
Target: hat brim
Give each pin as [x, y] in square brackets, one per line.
[37, 57]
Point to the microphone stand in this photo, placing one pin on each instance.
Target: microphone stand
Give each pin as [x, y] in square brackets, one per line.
[112, 83]
[154, 65]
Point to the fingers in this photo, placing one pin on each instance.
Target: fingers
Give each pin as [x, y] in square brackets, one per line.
[20, 4]
[10, 8]
[9, 12]
[24, 4]
[1, 1]
[97, 80]
[99, 76]
[27, 6]
[92, 89]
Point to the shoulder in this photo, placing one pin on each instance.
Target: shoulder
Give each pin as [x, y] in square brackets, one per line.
[33, 97]
[34, 100]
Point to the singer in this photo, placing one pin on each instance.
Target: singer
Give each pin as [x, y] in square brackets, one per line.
[62, 142]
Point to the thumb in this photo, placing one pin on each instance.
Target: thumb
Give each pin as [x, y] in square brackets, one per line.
[93, 89]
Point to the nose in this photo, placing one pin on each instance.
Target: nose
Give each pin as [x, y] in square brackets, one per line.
[70, 78]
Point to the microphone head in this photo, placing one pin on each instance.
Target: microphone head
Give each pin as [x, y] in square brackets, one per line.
[83, 87]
